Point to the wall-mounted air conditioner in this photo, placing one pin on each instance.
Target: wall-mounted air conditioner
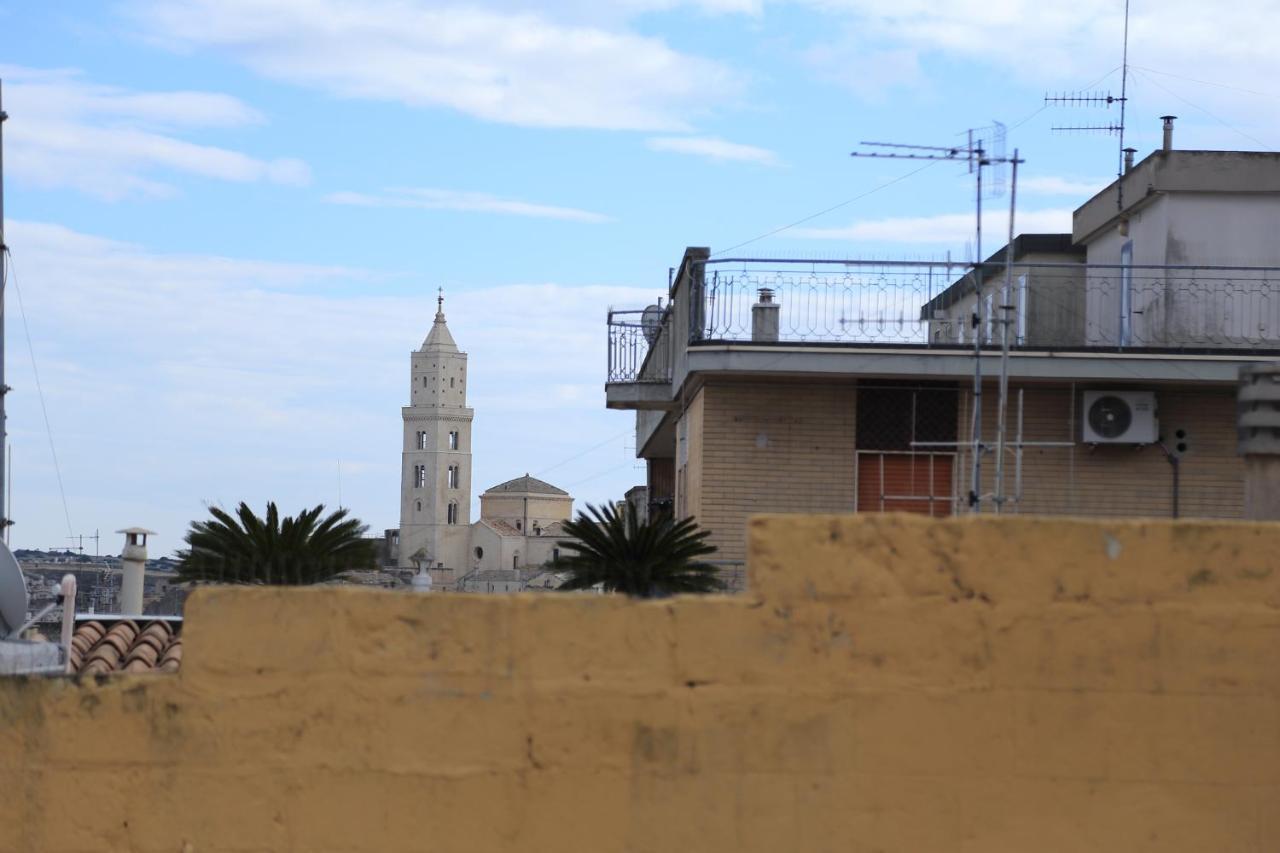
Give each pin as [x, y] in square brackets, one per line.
[1119, 417]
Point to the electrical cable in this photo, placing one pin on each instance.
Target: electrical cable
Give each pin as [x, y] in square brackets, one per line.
[813, 216]
[12, 270]
[1219, 120]
[577, 456]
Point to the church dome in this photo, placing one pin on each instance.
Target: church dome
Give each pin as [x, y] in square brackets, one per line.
[527, 485]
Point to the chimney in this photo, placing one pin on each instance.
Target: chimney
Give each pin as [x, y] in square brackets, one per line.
[1128, 158]
[764, 317]
[1168, 133]
[133, 562]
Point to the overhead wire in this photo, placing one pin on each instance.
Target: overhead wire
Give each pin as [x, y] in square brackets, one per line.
[583, 453]
[11, 271]
[1207, 82]
[1211, 115]
[825, 211]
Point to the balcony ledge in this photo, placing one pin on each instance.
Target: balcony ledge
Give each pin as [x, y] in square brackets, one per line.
[639, 395]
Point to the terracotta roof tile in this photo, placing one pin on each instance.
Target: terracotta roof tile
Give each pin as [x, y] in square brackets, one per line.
[104, 646]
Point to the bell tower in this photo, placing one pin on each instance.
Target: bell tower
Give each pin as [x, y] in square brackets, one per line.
[435, 475]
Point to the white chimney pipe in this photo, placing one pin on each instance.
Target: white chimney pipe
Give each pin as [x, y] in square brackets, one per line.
[68, 617]
[1168, 132]
[133, 562]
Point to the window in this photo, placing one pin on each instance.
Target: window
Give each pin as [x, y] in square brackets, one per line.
[419, 476]
[450, 381]
[515, 560]
[1126, 293]
[479, 552]
[419, 506]
[453, 476]
[422, 440]
[517, 525]
[453, 440]
[424, 382]
[555, 555]
[453, 513]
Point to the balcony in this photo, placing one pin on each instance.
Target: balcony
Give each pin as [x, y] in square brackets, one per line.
[1063, 320]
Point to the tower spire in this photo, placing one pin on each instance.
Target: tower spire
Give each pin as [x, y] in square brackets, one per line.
[440, 302]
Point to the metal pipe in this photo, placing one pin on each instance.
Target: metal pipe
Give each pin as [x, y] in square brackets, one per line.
[975, 427]
[1004, 343]
[1168, 133]
[4, 389]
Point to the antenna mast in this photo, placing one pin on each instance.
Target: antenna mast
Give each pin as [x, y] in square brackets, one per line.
[978, 157]
[4, 389]
[1077, 99]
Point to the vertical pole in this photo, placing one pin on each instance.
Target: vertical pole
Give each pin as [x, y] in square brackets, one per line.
[4, 389]
[1006, 310]
[1124, 80]
[975, 471]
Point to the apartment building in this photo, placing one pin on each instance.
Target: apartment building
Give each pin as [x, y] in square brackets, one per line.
[840, 386]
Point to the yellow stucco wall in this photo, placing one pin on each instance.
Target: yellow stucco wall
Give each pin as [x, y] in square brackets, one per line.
[890, 684]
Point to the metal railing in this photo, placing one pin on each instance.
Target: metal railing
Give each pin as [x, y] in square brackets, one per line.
[1068, 306]
[640, 351]
[1046, 305]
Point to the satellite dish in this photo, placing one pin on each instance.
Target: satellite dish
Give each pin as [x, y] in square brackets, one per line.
[651, 321]
[13, 593]
[1110, 416]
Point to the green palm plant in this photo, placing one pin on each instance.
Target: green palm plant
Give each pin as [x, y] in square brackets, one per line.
[646, 559]
[246, 549]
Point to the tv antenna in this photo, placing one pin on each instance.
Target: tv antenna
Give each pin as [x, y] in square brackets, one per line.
[984, 149]
[1106, 101]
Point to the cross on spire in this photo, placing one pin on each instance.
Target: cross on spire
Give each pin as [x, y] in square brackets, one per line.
[440, 300]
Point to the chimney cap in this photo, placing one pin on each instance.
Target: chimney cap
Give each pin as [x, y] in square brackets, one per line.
[1167, 118]
[1129, 150]
[139, 530]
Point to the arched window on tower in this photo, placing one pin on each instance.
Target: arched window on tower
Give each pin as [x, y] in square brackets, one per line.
[419, 506]
[453, 512]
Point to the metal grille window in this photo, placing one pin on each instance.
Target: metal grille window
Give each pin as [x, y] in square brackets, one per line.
[906, 448]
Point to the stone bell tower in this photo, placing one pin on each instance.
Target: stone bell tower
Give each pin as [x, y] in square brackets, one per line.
[435, 476]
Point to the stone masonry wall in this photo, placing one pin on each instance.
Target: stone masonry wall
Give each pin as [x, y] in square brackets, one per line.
[888, 684]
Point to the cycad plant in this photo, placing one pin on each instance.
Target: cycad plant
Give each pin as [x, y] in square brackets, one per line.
[246, 549]
[646, 559]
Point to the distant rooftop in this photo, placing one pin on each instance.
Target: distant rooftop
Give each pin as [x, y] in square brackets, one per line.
[527, 485]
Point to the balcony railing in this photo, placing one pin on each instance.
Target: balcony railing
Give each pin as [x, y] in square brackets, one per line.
[1045, 305]
[932, 304]
[640, 350]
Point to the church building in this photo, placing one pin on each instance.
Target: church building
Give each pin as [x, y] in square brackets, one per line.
[520, 520]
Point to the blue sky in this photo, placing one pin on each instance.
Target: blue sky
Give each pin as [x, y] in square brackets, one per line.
[229, 218]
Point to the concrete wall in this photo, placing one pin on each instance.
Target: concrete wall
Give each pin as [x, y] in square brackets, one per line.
[891, 684]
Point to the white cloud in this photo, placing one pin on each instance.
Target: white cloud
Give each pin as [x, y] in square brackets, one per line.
[1084, 188]
[1063, 45]
[427, 198]
[110, 142]
[943, 229]
[714, 148]
[173, 380]
[512, 67]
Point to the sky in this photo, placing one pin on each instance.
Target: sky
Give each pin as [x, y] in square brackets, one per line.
[229, 219]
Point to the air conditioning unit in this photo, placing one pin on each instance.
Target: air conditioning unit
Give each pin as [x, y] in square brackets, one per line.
[1120, 417]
